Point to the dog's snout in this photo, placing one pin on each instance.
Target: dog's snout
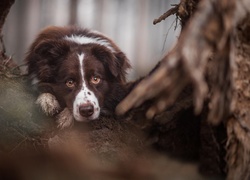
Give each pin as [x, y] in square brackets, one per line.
[86, 110]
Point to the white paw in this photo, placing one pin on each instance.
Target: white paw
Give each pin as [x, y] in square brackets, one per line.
[65, 119]
[48, 103]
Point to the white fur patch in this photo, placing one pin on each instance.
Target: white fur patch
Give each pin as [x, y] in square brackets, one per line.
[89, 40]
[65, 119]
[85, 96]
[48, 103]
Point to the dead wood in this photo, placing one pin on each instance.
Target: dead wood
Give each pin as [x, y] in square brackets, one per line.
[238, 126]
[212, 55]
[184, 10]
[166, 14]
[206, 33]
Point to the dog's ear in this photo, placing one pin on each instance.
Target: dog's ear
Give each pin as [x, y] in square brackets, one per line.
[43, 58]
[52, 50]
[122, 64]
[116, 62]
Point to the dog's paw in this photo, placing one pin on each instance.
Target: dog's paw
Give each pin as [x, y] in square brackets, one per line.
[48, 103]
[65, 119]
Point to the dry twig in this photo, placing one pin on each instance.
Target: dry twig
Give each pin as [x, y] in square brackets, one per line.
[166, 14]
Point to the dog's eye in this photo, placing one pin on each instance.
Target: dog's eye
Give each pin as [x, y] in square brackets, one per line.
[95, 80]
[70, 83]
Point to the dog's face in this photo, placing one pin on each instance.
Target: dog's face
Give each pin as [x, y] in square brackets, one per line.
[83, 71]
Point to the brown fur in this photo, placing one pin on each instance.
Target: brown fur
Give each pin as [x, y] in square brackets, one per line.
[52, 60]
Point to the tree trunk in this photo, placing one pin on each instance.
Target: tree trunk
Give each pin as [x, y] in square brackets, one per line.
[21, 123]
[238, 126]
[213, 46]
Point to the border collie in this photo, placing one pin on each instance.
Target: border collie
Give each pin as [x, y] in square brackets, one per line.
[79, 73]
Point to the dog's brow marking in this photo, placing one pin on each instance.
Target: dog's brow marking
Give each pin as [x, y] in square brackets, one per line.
[81, 56]
[89, 40]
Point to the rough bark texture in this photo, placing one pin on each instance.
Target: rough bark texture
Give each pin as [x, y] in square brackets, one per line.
[211, 44]
[208, 31]
[238, 126]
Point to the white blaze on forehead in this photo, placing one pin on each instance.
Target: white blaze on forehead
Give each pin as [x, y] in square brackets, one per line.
[80, 57]
[85, 96]
[89, 40]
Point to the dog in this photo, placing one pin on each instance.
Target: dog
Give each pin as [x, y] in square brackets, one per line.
[80, 74]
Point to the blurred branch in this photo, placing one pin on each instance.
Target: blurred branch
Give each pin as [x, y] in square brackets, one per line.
[212, 54]
[166, 14]
[208, 31]
[5, 6]
[184, 10]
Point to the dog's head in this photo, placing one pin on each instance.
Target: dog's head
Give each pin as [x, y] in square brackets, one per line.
[83, 69]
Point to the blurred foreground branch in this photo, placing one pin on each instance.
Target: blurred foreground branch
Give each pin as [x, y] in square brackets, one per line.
[212, 55]
[207, 32]
[184, 10]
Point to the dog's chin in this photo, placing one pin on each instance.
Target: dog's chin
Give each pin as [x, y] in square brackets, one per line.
[85, 119]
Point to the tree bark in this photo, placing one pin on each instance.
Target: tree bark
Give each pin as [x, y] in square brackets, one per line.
[21, 123]
[5, 6]
[238, 126]
[214, 46]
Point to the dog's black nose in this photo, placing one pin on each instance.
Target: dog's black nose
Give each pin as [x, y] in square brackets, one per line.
[86, 110]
